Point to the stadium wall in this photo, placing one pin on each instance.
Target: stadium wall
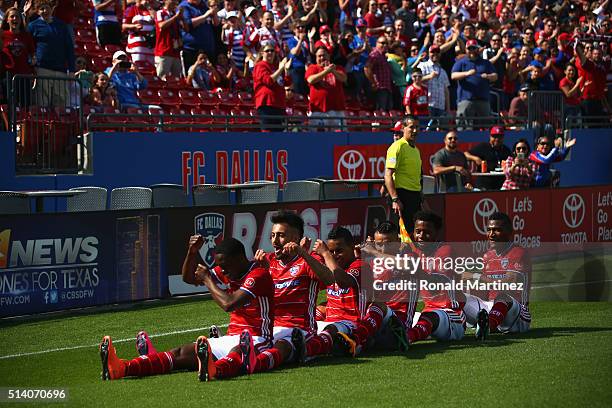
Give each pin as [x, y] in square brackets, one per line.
[120, 256]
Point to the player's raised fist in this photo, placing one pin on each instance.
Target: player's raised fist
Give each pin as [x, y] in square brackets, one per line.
[260, 257]
[305, 244]
[320, 247]
[195, 243]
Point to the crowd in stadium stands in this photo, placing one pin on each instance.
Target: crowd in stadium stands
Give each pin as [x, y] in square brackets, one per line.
[431, 58]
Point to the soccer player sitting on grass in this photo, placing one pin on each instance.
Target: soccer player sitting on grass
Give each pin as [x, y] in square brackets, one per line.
[239, 286]
[298, 277]
[442, 315]
[505, 311]
[347, 325]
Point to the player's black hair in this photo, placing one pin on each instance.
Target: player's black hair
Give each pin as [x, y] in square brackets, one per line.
[428, 216]
[291, 219]
[341, 233]
[409, 118]
[230, 247]
[503, 217]
[387, 227]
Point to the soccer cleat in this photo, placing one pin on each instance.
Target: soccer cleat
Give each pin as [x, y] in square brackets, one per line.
[144, 345]
[113, 367]
[206, 366]
[399, 332]
[213, 332]
[249, 359]
[299, 344]
[482, 325]
[343, 345]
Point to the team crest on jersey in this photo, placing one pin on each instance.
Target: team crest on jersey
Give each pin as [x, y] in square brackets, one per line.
[294, 270]
[505, 262]
[249, 283]
[212, 227]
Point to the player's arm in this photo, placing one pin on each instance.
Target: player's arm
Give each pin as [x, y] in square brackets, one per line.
[342, 278]
[192, 259]
[227, 301]
[320, 270]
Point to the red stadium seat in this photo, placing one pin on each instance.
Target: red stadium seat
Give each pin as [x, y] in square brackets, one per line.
[208, 100]
[154, 83]
[149, 97]
[241, 117]
[189, 99]
[202, 117]
[246, 99]
[173, 83]
[94, 50]
[180, 117]
[112, 48]
[86, 35]
[168, 99]
[145, 67]
[227, 100]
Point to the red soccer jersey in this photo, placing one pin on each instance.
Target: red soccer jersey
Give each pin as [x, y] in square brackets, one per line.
[136, 38]
[167, 40]
[256, 316]
[434, 271]
[513, 259]
[594, 83]
[416, 98]
[295, 293]
[20, 46]
[348, 303]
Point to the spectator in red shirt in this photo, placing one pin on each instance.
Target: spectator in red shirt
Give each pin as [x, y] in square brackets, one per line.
[168, 40]
[375, 24]
[571, 86]
[18, 46]
[268, 85]
[594, 72]
[415, 99]
[378, 72]
[139, 23]
[326, 82]
[326, 40]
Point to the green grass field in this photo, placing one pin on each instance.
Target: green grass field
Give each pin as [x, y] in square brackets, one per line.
[566, 360]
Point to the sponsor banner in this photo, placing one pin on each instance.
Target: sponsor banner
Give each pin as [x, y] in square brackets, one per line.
[368, 161]
[602, 214]
[529, 211]
[93, 259]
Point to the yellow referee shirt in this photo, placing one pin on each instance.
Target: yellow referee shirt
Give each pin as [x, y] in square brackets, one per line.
[406, 160]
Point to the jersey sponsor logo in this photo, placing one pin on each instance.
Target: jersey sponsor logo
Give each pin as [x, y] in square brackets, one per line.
[574, 210]
[249, 283]
[212, 227]
[293, 271]
[482, 211]
[351, 165]
[337, 292]
[287, 284]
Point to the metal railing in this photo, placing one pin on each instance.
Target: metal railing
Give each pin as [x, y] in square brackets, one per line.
[580, 122]
[45, 112]
[99, 122]
[545, 108]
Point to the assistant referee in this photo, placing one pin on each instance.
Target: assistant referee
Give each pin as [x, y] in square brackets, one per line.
[403, 173]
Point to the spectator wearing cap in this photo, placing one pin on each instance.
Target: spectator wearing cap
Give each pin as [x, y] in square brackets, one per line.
[360, 51]
[474, 76]
[493, 152]
[375, 24]
[108, 27]
[126, 79]
[518, 105]
[534, 75]
[449, 161]
[566, 53]
[544, 156]
[571, 86]
[232, 36]
[139, 23]
[269, 88]
[326, 99]
[299, 53]
[168, 40]
[397, 130]
[594, 70]
[197, 30]
[326, 40]
[54, 56]
[437, 83]
[378, 72]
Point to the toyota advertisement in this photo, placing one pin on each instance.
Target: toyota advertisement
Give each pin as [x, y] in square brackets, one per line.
[569, 216]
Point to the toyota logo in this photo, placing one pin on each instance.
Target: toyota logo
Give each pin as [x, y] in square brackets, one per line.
[482, 211]
[351, 165]
[573, 210]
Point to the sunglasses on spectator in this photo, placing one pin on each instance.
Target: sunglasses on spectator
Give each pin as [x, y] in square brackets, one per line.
[268, 50]
[544, 143]
[382, 42]
[495, 39]
[521, 148]
[414, 50]
[452, 138]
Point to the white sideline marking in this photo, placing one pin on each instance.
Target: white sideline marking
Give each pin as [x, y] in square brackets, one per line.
[33, 353]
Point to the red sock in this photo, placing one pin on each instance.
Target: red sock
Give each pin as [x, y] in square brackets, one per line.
[319, 344]
[497, 315]
[158, 363]
[367, 327]
[229, 366]
[420, 331]
[268, 360]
